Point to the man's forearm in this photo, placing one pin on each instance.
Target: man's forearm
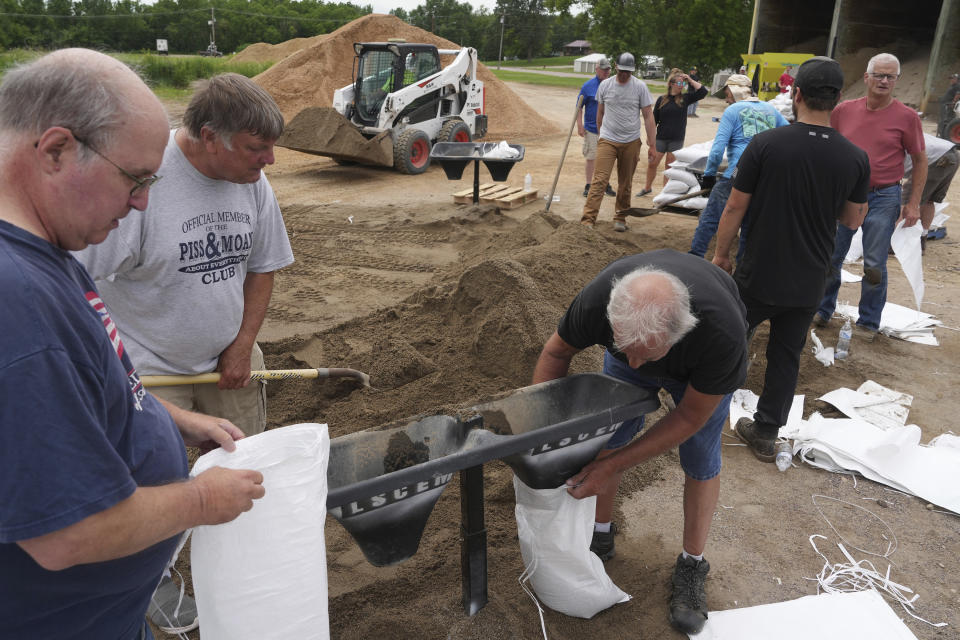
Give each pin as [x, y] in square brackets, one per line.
[670, 431]
[730, 221]
[919, 179]
[150, 515]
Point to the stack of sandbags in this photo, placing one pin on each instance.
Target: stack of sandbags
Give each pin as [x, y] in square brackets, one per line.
[784, 104]
[681, 180]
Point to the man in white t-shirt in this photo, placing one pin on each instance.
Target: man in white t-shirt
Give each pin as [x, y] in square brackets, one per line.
[942, 162]
[188, 281]
[625, 109]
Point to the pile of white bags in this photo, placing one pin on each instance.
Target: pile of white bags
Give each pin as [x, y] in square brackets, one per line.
[681, 181]
[264, 574]
[783, 104]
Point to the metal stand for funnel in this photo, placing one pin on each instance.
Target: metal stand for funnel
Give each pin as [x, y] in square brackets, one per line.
[473, 540]
[476, 194]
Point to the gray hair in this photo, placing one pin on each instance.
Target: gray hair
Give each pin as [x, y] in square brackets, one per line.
[637, 317]
[230, 103]
[60, 90]
[882, 58]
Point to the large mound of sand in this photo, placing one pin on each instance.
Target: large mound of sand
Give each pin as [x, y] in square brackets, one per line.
[266, 52]
[309, 77]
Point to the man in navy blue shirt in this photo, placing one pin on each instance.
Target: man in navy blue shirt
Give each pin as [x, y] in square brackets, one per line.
[93, 468]
[587, 123]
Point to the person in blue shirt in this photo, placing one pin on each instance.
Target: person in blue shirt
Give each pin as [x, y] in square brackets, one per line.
[587, 123]
[744, 118]
[93, 467]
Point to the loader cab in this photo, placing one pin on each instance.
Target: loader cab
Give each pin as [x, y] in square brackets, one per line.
[387, 67]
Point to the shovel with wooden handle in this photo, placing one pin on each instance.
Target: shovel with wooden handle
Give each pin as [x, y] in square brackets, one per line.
[642, 213]
[271, 374]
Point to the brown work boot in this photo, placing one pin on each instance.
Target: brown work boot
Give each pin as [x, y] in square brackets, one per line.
[765, 449]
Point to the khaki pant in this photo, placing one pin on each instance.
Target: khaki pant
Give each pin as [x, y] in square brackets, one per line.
[246, 408]
[625, 154]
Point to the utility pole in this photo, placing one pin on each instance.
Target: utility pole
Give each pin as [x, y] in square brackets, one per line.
[213, 28]
[500, 55]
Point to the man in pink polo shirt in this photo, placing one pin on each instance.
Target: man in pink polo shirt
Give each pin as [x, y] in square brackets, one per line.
[887, 130]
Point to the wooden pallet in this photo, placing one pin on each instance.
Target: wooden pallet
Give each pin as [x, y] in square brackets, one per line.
[499, 194]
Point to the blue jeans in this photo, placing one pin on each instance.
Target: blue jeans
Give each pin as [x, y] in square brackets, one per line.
[883, 211]
[700, 453]
[710, 220]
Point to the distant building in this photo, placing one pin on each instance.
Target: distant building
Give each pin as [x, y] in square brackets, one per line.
[576, 48]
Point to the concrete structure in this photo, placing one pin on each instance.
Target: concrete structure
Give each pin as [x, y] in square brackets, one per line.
[926, 32]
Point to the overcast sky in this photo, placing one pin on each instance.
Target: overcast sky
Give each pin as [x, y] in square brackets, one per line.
[385, 6]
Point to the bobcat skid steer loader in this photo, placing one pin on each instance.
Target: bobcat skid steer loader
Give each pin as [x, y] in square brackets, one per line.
[400, 103]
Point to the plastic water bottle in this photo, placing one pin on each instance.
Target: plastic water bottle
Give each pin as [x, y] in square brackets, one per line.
[843, 342]
[527, 183]
[784, 457]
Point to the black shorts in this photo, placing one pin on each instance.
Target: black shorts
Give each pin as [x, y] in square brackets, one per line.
[669, 146]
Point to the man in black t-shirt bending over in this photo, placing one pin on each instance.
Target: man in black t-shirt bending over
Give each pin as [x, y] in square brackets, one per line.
[795, 183]
[672, 321]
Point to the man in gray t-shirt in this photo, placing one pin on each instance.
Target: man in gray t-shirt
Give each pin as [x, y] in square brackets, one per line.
[625, 109]
[188, 280]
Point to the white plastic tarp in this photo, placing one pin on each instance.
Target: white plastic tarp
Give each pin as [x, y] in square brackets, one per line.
[900, 322]
[893, 457]
[862, 615]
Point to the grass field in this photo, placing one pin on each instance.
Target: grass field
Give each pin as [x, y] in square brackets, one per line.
[169, 76]
[555, 61]
[656, 86]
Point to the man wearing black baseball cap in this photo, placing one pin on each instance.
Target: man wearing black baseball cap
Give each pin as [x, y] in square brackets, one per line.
[794, 201]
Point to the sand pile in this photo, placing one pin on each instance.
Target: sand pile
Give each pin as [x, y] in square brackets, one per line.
[309, 77]
[266, 52]
[913, 72]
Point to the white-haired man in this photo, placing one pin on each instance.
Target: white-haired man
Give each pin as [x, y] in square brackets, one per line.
[672, 321]
[93, 467]
[887, 130]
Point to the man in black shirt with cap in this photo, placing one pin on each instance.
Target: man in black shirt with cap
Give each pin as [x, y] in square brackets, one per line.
[796, 183]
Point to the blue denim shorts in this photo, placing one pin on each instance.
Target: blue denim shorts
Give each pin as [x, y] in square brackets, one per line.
[700, 455]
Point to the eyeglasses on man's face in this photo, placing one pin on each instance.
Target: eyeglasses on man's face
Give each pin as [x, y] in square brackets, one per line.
[889, 77]
[140, 184]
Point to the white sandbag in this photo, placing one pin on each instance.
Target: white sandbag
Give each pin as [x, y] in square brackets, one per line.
[699, 203]
[677, 187]
[694, 152]
[683, 176]
[264, 575]
[662, 198]
[555, 530]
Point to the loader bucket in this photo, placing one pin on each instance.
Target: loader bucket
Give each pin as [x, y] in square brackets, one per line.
[323, 131]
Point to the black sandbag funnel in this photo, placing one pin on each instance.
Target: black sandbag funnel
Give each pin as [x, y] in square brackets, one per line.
[455, 156]
[384, 484]
[564, 422]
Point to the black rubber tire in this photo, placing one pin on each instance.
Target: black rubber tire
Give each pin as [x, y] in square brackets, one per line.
[411, 152]
[454, 130]
[952, 131]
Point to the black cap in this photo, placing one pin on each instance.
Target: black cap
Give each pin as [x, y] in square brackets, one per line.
[819, 77]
